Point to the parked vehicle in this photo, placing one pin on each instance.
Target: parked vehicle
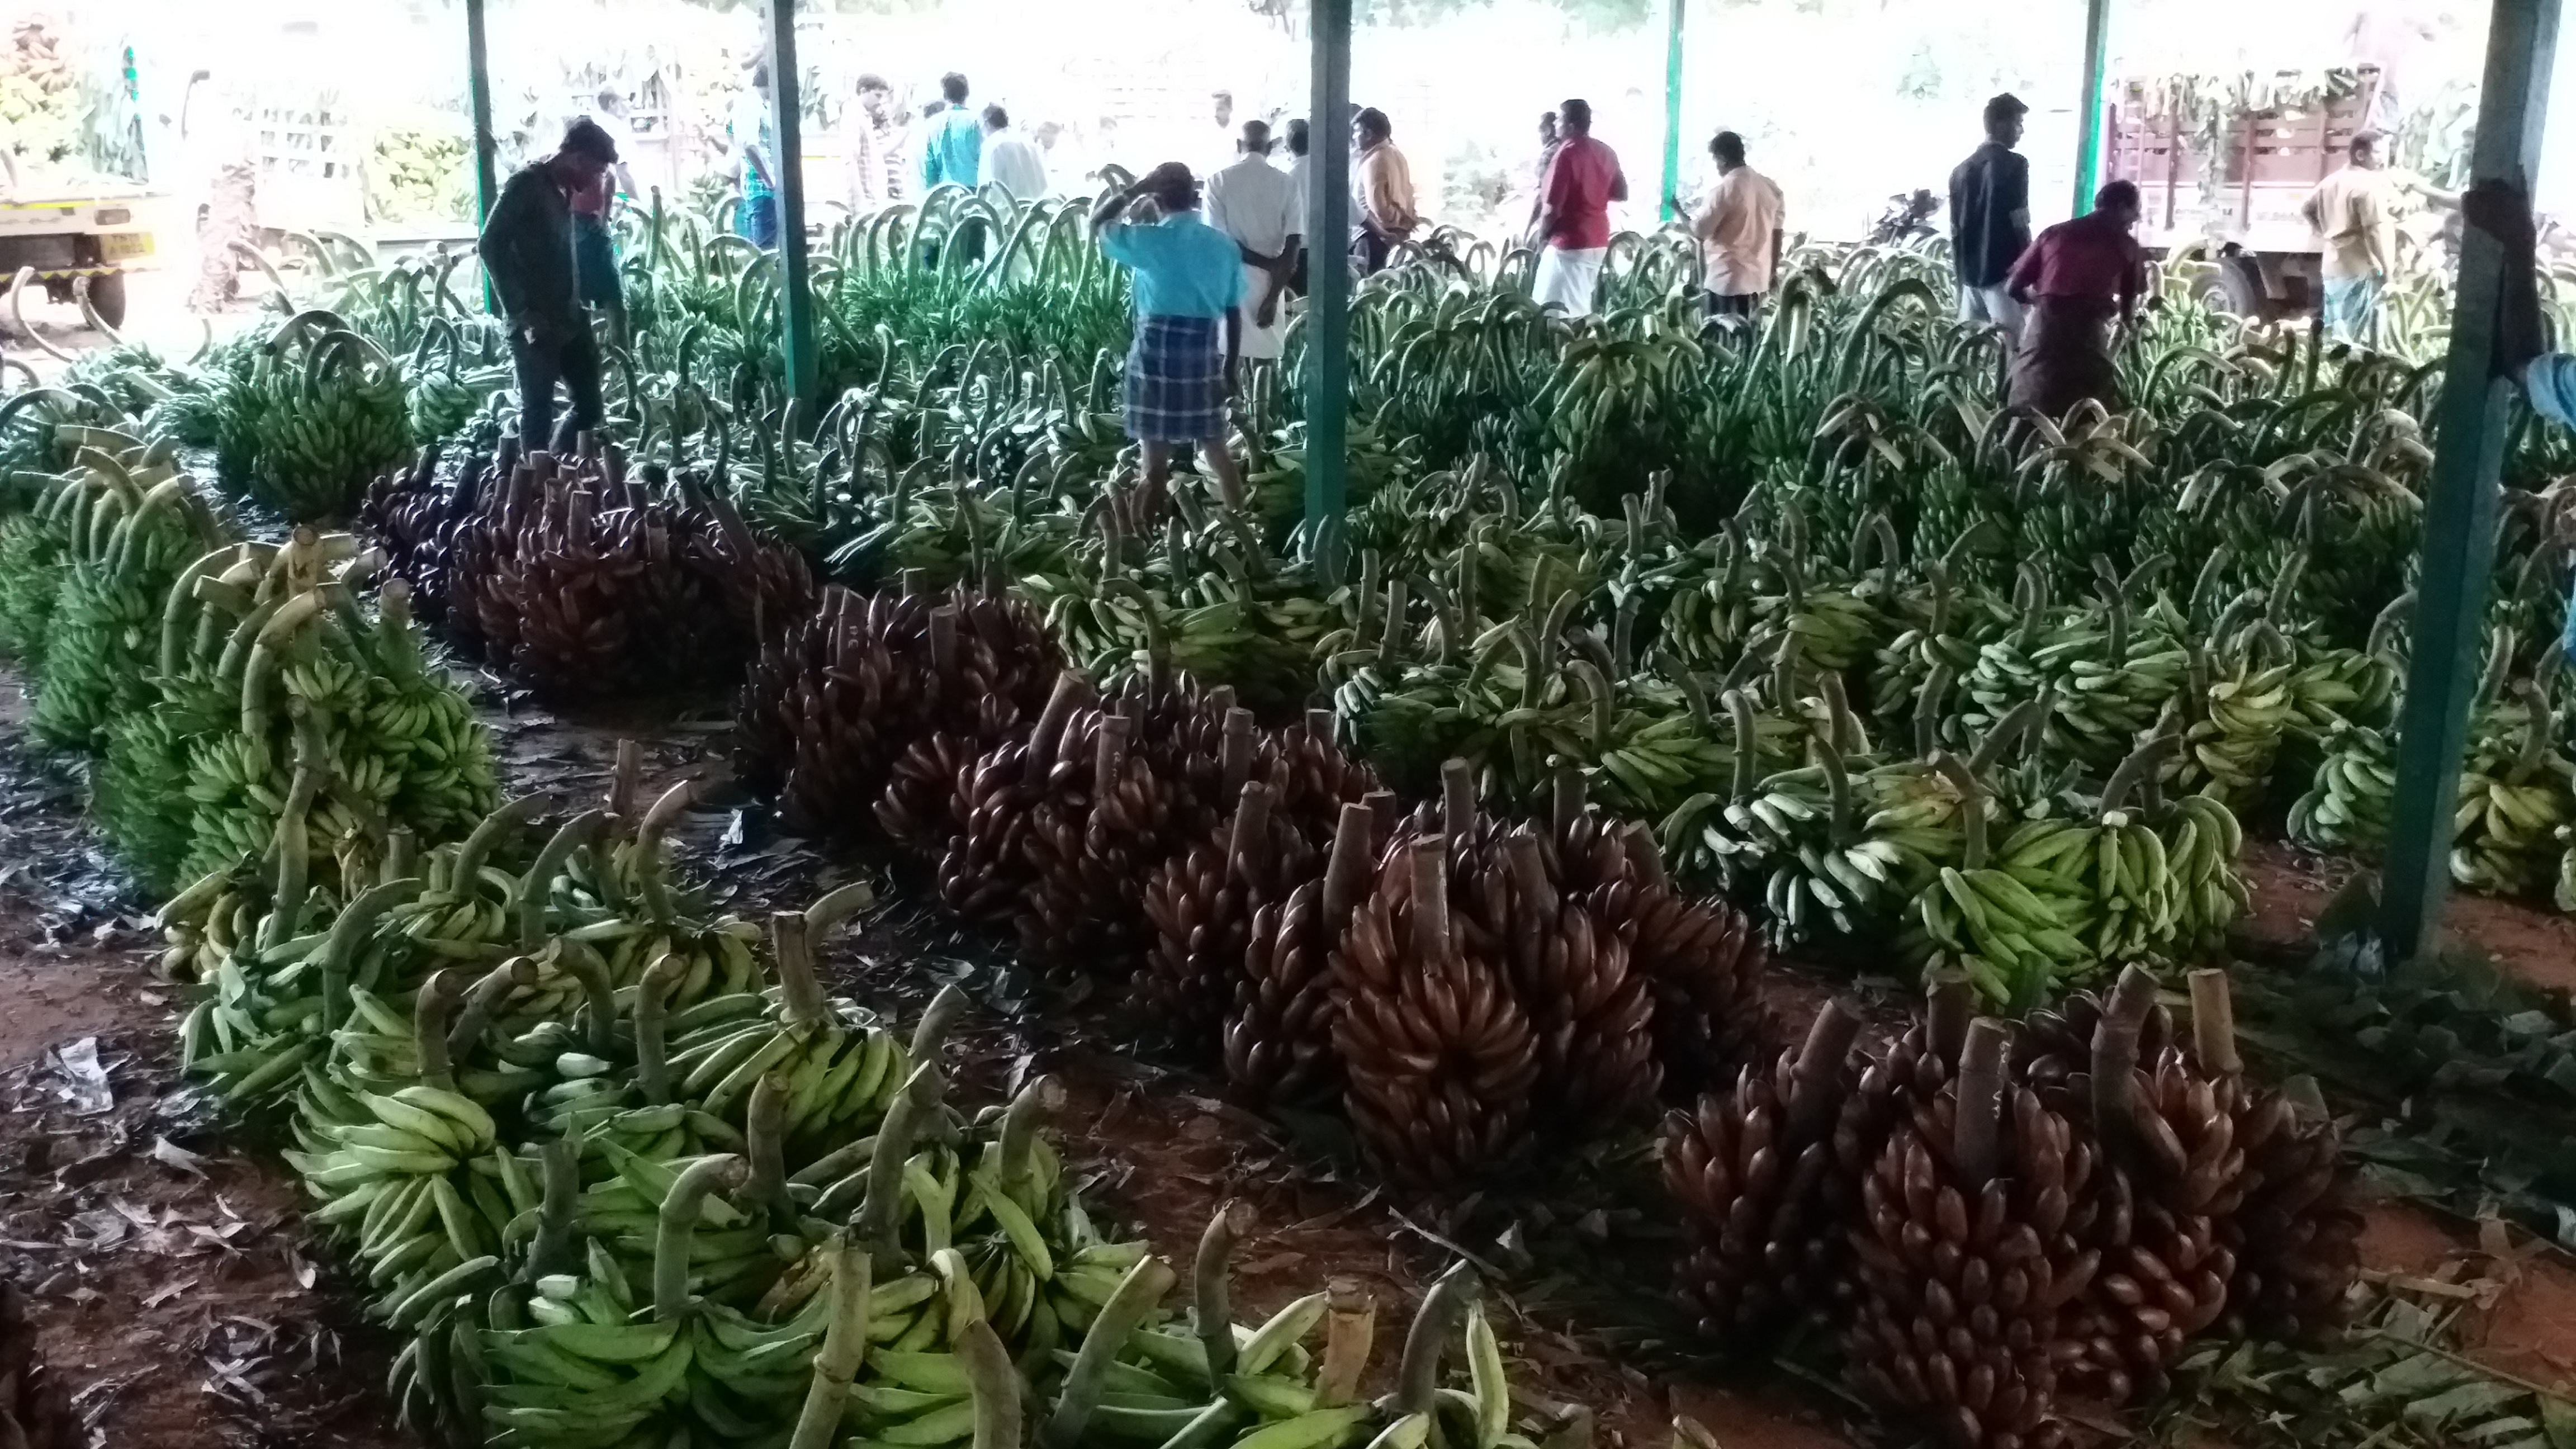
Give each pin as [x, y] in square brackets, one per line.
[66, 229]
[2223, 171]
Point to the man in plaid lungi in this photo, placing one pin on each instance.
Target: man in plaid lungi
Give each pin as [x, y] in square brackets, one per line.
[1188, 280]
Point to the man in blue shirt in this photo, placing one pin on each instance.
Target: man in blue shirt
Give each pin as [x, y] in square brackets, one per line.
[756, 151]
[2522, 352]
[954, 149]
[1189, 279]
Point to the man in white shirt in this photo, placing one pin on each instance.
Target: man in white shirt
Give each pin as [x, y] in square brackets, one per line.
[1219, 138]
[1297, 146]
[1739, 231]
[1256, 206]
[1012, 159]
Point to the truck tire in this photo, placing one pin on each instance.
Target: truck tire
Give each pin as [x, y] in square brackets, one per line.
[107, 294]
[2234, 284]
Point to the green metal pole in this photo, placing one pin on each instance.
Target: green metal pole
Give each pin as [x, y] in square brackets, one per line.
[2088, 121]
[2460, 501]
[478, 93]
[795, 277]
[1328, 284]
[478, 99]
[1672, 111]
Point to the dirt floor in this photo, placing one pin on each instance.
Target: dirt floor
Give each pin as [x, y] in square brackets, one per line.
[171, 1280]
[144, 1255]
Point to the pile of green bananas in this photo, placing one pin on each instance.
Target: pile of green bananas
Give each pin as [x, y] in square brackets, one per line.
[305, 420]
[612, 1205]
[443, 394]
[1205, 597]
[129, 519]
[267, 664]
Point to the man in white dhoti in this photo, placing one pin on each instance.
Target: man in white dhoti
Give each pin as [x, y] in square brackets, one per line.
[1256, 206]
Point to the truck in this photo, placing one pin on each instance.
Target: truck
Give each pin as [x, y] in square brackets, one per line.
[64, 229]
[2223, 169]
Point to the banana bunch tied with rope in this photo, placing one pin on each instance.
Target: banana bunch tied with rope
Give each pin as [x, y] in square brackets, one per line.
[129, 519]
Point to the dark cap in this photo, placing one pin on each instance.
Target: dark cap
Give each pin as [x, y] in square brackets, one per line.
[585, 138]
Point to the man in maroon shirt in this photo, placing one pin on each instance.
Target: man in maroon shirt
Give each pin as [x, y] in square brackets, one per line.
[1583, 178]
[2075, 279]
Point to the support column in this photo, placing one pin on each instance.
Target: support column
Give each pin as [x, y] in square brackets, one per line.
[1672, 111]
[1328, 284]
[795, 279]
[2088, 121]
[478, 99]
[2460, 500]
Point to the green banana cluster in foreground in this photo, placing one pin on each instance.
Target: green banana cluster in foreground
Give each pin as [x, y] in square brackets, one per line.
[623, 1176]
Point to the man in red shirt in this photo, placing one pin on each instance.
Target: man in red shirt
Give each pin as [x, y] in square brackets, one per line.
[2075, 279]
[1583, 178]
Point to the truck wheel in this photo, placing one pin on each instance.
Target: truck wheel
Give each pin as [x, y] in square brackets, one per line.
[2233, 284]
[107, 294]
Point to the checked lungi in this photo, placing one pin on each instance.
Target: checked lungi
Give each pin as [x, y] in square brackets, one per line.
[1175, 380]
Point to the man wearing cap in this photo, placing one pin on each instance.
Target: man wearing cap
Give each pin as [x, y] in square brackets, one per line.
[1188, 278]
[527, 252]
[1990, 218]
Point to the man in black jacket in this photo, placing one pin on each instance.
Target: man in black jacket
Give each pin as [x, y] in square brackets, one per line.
[1990, 218]
[528, 256]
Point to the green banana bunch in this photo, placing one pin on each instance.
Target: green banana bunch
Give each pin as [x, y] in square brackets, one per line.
[2517, 794]
[1825, 874]
[130, 520]
[2015, 929]
[1955, 623]
[1836, 625]
[2238, 715]
[2347, 804]
[1209, 1381]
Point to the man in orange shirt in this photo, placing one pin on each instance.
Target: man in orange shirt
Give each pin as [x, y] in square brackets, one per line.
[1738, 230]
[2353, 214]
[1387, 214]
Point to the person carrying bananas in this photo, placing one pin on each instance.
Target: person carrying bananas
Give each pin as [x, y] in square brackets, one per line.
[1189, 280]
[2522, 355]
[527, 252]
